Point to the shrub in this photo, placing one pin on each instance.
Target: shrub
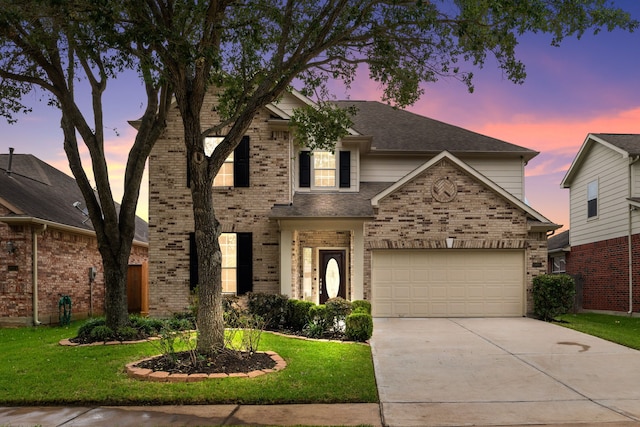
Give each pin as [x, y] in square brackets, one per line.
[128, 333]
[358, 326]
[337, 311]
[102, 333]
[146, 325]
[361, 306]
[298, 314]
[552, 295]
[84, 332]
[318, 321]
[270, 307]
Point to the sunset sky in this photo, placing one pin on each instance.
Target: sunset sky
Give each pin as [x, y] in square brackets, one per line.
[585, 86]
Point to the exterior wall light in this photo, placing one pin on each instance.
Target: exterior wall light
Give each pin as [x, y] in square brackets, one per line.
[11, 247]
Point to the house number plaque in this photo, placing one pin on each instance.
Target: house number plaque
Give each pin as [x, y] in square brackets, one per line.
[444, 190]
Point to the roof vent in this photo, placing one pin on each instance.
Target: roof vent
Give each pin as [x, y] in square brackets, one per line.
[10, 161]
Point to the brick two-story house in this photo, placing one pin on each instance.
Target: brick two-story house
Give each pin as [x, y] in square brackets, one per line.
[604, 242]
[420, 217]
[48, 247]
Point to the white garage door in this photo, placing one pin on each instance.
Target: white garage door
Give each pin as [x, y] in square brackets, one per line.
[447, 283]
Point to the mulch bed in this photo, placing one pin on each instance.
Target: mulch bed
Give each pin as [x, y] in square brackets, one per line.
[223, 362]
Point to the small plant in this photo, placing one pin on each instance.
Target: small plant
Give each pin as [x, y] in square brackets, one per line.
[319, 322]
[127, 333]
[337, 311]
[361, 306]
[553, 295]
[270, 307]
[298, 314]
[359, 326]
[246, 335]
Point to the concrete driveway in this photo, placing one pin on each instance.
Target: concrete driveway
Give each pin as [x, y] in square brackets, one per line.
[506, 371]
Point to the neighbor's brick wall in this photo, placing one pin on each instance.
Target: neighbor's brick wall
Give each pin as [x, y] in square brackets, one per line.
[238, 209]
[603, 268]
[63, 262]
[477, 218]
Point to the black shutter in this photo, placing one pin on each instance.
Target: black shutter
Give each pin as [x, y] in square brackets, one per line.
[241, 163]
[345, 169]
[305, 169]
[193, 262]
[244, 272]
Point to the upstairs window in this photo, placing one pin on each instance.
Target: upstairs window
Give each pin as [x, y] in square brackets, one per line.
[235, 170]
[325, 170]
[592, 199]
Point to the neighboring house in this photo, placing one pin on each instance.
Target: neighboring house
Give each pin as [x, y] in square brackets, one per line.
[558, 250]
[420, 217]
[604, 185]
[47, 245]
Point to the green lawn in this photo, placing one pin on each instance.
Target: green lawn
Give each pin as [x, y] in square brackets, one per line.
[35, 370]
[619, 329]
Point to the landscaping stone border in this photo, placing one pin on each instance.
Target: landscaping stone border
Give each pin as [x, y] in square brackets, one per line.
[162, 376]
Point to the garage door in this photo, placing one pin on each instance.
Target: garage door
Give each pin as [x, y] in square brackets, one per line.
[447, 283]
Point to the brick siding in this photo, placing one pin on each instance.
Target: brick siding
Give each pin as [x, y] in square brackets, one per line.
[237, 209]
[603, 269]
[64, 259]
[477, 218]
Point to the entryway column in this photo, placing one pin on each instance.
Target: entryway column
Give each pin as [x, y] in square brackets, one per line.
[357, 285]
[286, 239]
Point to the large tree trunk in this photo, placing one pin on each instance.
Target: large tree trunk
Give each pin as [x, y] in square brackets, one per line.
[115, 280]
[207, 230]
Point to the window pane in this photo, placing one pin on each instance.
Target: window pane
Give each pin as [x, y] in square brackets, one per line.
[324, 169]
[228, 247]
[592, 190]
[224, 178]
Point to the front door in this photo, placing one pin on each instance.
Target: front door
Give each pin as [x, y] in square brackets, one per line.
[332, 275]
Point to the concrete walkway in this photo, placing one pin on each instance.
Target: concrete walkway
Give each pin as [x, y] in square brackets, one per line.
[453, 372]
[193, 415]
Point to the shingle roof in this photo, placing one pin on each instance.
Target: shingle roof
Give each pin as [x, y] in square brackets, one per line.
[41, 191]
[627, 142]
[558, 242]
[402, 131]
[331, 205]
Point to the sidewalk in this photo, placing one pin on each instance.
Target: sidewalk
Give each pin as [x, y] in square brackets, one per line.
[193, 415]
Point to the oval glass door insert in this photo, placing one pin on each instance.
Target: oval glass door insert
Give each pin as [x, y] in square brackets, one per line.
[332, 278]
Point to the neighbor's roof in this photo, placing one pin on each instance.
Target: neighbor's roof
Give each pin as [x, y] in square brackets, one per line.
[395, 130]
[35, 189]
[559, 242]
[623, 143]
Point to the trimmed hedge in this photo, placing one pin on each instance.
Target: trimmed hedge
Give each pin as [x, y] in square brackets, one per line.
[359, 326]
[361, 306]
[553, 295]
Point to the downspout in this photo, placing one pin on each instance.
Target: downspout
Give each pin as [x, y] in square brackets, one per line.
[630, 232]
[34, 272]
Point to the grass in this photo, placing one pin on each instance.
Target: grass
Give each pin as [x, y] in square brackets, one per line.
[619, 329]
[35, 370]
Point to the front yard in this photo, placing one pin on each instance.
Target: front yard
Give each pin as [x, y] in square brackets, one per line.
[619, 329]
[35, 370]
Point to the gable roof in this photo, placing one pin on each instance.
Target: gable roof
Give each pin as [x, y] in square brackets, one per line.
[33, 189]
[399, 131]
[532, 213]
[627, 145]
